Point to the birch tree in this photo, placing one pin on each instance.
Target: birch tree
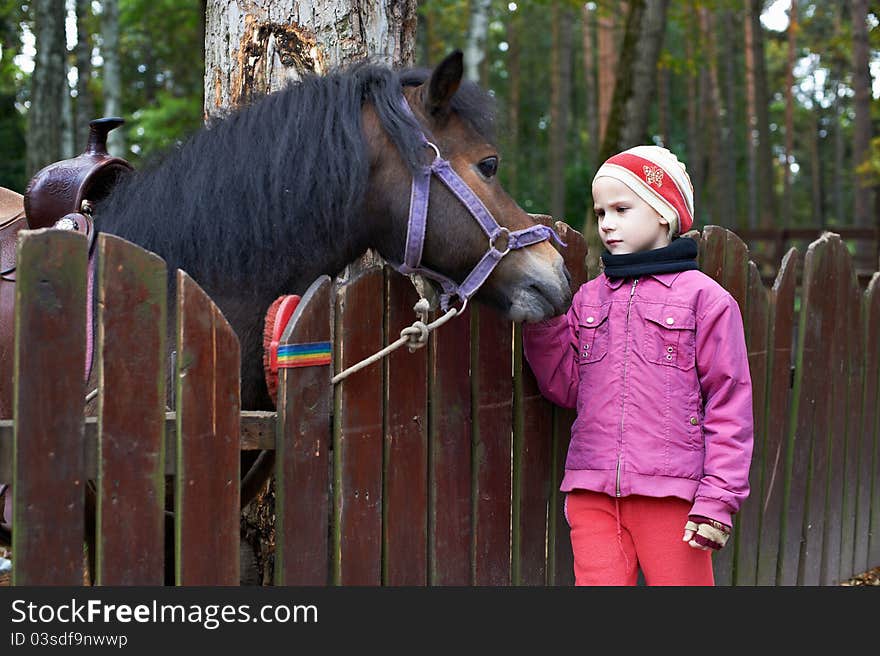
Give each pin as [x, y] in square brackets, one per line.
[48, 86]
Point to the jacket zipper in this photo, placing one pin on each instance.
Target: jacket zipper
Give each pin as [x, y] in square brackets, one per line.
[632, 292]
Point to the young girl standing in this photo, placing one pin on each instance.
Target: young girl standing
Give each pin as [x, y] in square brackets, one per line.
[653, 356]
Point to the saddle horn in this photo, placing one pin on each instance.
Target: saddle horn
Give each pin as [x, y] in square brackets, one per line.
[64, 187]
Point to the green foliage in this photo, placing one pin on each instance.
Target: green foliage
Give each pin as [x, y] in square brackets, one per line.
[12, 95]
[165, 123]
[162, 49]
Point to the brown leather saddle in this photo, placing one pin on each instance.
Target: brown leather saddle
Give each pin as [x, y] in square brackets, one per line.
[61, 195]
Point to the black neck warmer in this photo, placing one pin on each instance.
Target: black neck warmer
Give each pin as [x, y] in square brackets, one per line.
[680, 255]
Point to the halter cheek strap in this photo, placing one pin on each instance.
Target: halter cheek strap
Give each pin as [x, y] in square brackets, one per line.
[418, 218]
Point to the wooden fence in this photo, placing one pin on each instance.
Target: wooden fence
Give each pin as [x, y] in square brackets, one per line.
[439, 467]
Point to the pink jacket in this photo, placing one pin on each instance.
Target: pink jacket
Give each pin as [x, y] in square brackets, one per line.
[659, 374]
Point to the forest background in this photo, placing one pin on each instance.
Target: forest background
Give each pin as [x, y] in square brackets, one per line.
[774, 106]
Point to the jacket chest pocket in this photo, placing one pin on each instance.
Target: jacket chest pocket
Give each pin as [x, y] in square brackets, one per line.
[593, 334]
[670, 337]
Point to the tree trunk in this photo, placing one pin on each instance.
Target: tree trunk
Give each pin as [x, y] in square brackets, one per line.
[590, 91]
[789, 115]
[751, 122]
[766, 192]
[475, 44]
[48, 86]
[607, 38]
[648, 48]
[255, 50]
[663, 105]
[514, 30]
[623, 83]
[694, 104]
[85, 101]
[112, 76]
[717, 192]
[728, 167]
[559, 101]
[817, 179]
[837, 71]
[862, 206]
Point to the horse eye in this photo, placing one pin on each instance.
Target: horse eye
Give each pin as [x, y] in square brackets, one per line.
[488, 167]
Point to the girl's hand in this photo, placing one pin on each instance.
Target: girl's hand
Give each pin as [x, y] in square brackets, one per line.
[705, 534]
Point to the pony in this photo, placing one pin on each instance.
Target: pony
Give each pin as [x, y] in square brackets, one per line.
[302, 181]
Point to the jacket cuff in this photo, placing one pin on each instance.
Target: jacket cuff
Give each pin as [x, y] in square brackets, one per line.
[713, 509]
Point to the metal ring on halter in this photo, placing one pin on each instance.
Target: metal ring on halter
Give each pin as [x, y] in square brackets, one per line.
[436, 150]
[501, 229]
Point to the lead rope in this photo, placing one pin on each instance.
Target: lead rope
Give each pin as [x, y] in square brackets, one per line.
[414, 337]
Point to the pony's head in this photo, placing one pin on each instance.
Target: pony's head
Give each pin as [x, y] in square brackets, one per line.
[528, 283]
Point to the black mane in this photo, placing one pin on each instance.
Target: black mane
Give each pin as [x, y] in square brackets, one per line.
[267, 181]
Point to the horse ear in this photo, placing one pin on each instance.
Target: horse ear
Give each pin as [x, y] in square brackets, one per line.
[443, 84]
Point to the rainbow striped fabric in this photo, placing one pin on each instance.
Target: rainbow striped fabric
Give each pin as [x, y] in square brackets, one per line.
[312, 354]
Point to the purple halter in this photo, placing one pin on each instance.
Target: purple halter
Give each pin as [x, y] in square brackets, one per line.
[418, 216]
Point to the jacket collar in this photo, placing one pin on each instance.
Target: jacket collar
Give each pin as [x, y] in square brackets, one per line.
[665, 278]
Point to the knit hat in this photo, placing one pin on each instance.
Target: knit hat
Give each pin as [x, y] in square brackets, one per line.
[659, 179]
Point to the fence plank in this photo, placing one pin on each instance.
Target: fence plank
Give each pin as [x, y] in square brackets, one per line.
[48, 399]
[493, 431]
[777, 415]
[870, 508]
[208, 436]
[854, 540]
[865, 362]
[406, 447]
[839, 407]
[561, 565]
[302, 442]
[357, 548]
[825, 306]
[726, 261]
[809, 385]
[449, 423]
[132, 311]
[756, 340]
[532, 453]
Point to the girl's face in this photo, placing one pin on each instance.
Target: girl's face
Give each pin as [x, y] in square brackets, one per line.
[627, 224]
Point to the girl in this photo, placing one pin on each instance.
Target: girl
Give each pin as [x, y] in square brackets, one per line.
[653, 356]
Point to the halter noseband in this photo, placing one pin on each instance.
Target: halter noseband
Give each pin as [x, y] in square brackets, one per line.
[418, 218]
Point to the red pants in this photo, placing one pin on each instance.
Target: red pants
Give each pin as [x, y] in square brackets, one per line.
[612, 538]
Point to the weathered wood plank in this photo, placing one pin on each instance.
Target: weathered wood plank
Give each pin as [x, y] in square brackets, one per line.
[132, 311]
[48, 398]
[733, 276]
[865, 380]
[826, 307]
[777, 415]
[303, 439]
[450, 427]
[357, 509]
[532, 454]
[208, 463]
[406, 446]
[756, 340]
[809, 384]
[839, 407]
[869, 495]
[493, 430]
